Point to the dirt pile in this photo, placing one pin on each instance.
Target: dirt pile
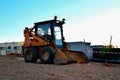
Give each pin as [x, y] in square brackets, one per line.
[14, 68]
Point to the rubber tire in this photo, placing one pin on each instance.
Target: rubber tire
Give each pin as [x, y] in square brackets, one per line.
[50, 53]
[33, 52]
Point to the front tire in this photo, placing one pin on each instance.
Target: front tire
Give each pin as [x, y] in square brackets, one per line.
[30, 55]
[47, 55]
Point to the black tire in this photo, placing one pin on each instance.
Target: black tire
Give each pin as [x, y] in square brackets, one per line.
[30, 55]
[47, 55]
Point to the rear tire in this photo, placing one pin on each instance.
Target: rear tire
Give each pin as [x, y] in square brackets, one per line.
[47, 55]
[30, 55]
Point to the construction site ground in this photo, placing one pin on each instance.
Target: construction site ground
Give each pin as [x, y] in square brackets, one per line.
[14, 68]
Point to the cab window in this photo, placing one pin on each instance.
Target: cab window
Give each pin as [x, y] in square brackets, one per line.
[44, 29]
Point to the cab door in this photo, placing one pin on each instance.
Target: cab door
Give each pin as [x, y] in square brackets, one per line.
[58, 37]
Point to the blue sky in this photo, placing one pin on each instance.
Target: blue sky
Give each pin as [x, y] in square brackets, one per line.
[92, 20]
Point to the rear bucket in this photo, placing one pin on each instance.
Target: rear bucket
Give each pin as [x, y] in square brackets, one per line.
[76, 56]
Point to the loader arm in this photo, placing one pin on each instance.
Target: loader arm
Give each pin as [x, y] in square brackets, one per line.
[33, 40]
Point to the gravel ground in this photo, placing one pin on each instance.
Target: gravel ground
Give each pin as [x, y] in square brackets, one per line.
[14, 68]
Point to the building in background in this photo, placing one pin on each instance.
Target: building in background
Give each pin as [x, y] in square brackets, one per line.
[82, 46]
[11, 47]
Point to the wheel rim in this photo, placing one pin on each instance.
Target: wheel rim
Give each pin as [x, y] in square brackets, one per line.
[45, 55]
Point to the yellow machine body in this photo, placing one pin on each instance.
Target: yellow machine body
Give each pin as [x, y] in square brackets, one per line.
[45, 48]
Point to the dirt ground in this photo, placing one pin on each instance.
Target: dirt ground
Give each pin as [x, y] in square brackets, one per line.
[14, 68]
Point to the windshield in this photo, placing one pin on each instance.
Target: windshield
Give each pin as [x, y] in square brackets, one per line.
[58, 37]
[44, 29]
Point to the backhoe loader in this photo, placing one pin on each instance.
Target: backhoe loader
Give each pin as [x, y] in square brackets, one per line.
[45, 41]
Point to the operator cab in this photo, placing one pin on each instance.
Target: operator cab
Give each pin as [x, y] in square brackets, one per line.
[52, 29]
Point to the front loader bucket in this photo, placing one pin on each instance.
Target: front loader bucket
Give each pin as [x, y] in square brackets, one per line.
[76, 56]
[65, 56]
[60, 57]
